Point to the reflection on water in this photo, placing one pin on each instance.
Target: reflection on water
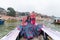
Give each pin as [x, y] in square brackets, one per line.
[4, 29]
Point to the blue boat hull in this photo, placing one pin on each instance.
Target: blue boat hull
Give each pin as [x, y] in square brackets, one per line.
[1, 22]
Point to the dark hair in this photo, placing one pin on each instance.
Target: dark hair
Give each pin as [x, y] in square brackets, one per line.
[28, 17]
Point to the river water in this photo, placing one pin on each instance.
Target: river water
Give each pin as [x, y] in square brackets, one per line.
[49, 24]
[7, 27]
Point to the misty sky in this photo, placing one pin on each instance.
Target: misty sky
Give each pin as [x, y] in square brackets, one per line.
[48, 7]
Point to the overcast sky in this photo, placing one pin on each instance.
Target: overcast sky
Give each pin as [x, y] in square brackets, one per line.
[48, 7]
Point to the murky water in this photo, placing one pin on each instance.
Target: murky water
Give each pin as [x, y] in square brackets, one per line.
[4, 29]
[7, 27]
[55, 27]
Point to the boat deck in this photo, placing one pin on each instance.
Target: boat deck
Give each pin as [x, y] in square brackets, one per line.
[35, 38]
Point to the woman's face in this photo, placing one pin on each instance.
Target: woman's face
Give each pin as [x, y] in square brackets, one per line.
[24, 19]
[33, 15]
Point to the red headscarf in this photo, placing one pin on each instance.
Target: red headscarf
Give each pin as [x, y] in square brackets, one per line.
[33, 15]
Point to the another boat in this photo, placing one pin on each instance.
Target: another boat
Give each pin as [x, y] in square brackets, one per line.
[57, 20]
[1, 21]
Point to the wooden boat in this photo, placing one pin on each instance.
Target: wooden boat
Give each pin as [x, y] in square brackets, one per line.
[12, 35]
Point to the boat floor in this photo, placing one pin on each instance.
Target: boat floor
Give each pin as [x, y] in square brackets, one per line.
[35, 38]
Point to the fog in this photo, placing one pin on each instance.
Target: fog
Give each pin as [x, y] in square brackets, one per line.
[47, 7]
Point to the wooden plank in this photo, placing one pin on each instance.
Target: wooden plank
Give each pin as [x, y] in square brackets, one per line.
[53, 34]
[11, 35]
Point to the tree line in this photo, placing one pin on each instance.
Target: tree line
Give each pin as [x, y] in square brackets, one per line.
[10, 11]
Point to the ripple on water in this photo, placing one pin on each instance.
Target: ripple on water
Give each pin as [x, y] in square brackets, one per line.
[7, 27]
[55, 27]
[4, 29]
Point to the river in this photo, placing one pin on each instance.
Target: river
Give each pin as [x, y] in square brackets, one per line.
[7, 27]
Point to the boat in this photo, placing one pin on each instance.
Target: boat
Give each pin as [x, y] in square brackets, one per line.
[1, 21]
[12, 35]
[56, 20]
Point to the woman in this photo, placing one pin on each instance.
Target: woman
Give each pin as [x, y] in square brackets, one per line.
[25, 28]
[22, 28]
[36, 28]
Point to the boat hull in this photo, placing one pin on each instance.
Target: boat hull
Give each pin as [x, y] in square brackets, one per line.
[1, 21]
